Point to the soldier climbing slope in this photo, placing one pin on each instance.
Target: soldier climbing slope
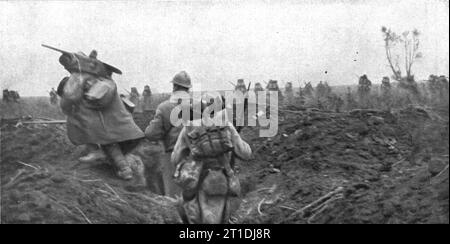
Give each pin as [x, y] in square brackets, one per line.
[96, 116]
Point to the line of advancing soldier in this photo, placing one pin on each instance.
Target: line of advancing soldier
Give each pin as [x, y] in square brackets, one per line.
[197, 161]
[10, 96]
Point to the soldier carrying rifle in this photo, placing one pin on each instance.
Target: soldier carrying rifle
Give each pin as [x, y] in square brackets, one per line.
[96, 116]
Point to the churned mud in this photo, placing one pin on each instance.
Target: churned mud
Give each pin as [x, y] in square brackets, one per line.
[362, 166]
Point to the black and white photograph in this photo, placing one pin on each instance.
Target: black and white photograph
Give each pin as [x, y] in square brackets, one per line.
[224, 112]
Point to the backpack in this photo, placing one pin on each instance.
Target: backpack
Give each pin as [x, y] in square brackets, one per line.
[208, 146]
[209, 142]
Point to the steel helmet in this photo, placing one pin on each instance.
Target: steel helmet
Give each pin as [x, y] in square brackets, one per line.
[182, 79]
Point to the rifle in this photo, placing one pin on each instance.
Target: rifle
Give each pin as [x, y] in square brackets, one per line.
[129, 93]
[77, 62]
[232, 83]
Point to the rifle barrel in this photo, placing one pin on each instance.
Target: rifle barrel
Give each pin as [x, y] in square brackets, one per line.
[55, 49]
[232, 83]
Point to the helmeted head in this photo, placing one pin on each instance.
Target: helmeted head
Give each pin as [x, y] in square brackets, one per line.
[182, 79]
[93, 54]
[272, 85]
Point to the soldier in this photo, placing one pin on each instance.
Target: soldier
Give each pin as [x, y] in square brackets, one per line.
[350, 101]
[289, 93]
[258, 88]
[385, 85]
[301, 96]
[336, 102]
[5, 95]
[203, 156]
[386, 92]
[14, 95]
[364, 85]
[134, 96]
[161, 129]
[308, 90]
[53, 97]
[322, 90]
[240, 86]
[96, 116]
[273, 86]
[147, 95]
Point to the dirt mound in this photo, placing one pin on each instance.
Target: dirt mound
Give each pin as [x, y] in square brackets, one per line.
[370, 154]
[42, 182]
[366, 166]
[143, 119]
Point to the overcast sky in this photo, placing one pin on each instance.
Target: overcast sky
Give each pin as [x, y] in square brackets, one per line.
[216, 42]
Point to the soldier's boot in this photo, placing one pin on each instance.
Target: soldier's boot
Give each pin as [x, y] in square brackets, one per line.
[119, 161]
[95, 153]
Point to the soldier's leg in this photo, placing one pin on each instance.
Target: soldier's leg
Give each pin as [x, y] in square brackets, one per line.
[119, 161]
[212, 208]
[168, 169]
[212, 197]
[95, 153]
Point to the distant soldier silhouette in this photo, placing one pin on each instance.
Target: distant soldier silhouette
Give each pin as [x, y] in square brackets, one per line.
[240, 86]
[258, 87]
[147, 98]
[386, 92]
[289, 93]
[322, 89]
[273, 86]
[134, 96]
[14, 96]
[364, 85]
[53, 97]
[6, 95]
[308, 90]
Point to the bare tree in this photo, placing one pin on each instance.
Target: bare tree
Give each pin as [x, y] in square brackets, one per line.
[406, 45]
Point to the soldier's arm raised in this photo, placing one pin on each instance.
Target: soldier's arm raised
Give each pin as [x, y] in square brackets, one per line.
[241, 148]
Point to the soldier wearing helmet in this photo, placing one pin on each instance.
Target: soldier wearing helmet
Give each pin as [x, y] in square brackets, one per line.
[147, 98]
[289, 93]
[161, 129]
[240, 86]
[258, 87]
[273, 86]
